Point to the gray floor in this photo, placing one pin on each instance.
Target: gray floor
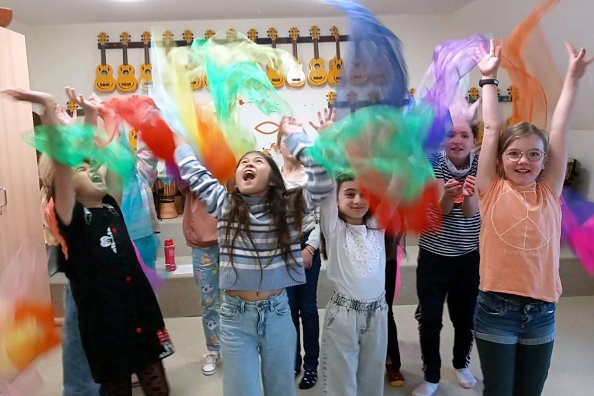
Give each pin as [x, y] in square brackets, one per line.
[571, 373]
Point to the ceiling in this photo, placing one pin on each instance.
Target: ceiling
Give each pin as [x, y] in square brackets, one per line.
[58, 12]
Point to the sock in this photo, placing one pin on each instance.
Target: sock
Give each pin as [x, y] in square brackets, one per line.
[425, 389]
[465, 378]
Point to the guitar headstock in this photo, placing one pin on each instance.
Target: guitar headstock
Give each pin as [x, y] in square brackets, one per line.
[231, 35]
[71, 106]
[102, 38]
[125, 38]
[209, 33]
[188, 36]
[330, 97]
[314, 31]
[294, 33]
[168, 37]
[334, 32]
[146, 38]
[252, 34]
[272, 33]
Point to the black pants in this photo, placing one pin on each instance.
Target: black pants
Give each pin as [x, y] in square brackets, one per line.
[438, 278]
[514, 370]
[393, 350]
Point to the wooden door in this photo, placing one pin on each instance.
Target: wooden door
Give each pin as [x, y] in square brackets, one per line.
[20, 218]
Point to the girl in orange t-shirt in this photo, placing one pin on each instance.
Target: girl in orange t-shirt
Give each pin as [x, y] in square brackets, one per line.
[519, 179]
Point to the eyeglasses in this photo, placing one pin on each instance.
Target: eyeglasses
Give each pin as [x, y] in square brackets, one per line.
[532, 155]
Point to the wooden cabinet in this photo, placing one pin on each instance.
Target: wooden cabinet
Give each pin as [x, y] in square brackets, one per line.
[20, 218]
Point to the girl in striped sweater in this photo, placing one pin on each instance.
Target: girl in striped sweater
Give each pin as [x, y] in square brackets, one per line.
[259, 227]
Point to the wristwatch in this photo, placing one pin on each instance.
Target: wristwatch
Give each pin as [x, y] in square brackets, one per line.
[487, 81]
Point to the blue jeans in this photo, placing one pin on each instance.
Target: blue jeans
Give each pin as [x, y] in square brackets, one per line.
[515, 338]
[77, 377]
[303, 300]
[206, 274]
[147, 247]
[354, 344]
[258, 338]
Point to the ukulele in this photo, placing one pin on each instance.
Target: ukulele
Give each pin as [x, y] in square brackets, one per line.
[295, 76]
[168, 40]
[335, 64]
[196, 81]
[207, 35]
[276, 79]
[71, 107]
[126, 80]
[253, 35]
[330, 98]
[317, 72]
[104, 81]
[358, 72]
[146, 69]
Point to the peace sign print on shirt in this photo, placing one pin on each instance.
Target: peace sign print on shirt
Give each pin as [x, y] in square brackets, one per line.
[518, 219]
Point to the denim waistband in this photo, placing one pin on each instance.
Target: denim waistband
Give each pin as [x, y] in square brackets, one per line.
[269, 304]
[527, 304]
[358, 305]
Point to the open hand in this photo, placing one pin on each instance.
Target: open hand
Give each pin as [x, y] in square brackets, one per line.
[91, 105]
[577, 63]
[290, 125]
[489, 64]
[325, 120]
[25, 95]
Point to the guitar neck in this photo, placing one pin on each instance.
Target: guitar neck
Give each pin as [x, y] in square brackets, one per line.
[295, 50]
[316, 51]
[125, 49]
[146, 54]
[337, 49]
[273, 43]
[103, 58]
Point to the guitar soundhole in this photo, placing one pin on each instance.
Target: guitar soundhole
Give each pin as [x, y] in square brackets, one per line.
[103, 72]
[126, 73]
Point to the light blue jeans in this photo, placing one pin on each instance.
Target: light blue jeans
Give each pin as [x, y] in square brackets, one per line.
[77, 378]
[354, 343]
[258, 338]
[206, 274]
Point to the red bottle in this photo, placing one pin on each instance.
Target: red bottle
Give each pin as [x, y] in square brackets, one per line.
[169, 247]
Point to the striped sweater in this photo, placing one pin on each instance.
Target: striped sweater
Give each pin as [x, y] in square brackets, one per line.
[257, 266]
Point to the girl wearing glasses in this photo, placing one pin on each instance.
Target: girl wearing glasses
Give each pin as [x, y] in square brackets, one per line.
[519, 181]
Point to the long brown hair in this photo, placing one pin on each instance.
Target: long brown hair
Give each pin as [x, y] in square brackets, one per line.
[280, 204]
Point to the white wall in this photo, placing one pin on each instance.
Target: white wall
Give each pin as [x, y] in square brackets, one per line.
[62, 55]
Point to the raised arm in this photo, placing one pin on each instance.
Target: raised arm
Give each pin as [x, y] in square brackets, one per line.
[554, 173]
[487, 166]
[319, 183]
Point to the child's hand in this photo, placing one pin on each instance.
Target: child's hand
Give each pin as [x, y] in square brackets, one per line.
[325, 120]
[489, 64]
[452, 188]
[468, 187]
[307, 258]
[25, 95]
[63, 117]
[290, 125]
[577, 64]
[91, 105]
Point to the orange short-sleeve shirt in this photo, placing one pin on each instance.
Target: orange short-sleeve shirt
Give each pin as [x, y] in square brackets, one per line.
[520, 240]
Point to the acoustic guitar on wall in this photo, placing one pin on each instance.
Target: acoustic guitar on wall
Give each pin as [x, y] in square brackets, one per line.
[276, 79]
[358, 68]
[126, 80]
[196, 81]
[207, 35]
[146, 69]
[317, 70]
[335, 64]
[295, 77]
[104, 81]
[167, 40]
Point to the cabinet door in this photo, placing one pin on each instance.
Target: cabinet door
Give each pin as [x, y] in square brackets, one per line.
[20, 218]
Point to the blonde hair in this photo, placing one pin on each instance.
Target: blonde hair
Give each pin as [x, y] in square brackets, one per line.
[47, 172]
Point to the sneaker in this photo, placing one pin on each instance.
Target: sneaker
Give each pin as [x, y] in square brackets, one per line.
[310, 377]
[210, 362]
[466, 379]
[395, 377]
